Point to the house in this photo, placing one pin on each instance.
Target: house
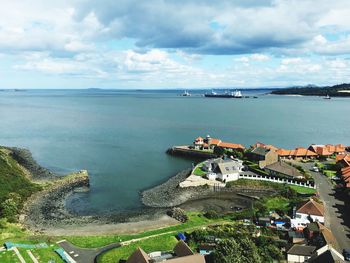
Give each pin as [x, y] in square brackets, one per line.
[181, 254]
[210, 143]
[320, 236]
[309, 212]
[266, 146]
[264, 156]
[321, 150]
[298, 153]
[343, 160]
[300, 253]
[283, 169]
[224, 170]
[296, 237]
[302, 153]
[326, 254]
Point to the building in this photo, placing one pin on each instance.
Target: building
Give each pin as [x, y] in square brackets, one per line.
[224, 170]
[309, 212]
[320, 236]
[264, 156]
[300, 253]
[282, 169]
[181, 254]
[266, 146]
[326, 254]
[298, 153]
[210, 143]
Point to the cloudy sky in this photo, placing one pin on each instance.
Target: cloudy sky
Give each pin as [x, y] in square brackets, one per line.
[173, 43]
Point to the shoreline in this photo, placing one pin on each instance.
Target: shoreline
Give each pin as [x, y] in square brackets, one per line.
[45, 212]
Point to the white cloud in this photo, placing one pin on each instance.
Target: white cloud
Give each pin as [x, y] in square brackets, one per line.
[259, 57]
[288, 61]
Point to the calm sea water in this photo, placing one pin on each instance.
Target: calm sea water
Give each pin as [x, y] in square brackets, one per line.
[120, 137]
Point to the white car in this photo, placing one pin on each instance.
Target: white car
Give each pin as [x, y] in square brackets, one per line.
[315, 169]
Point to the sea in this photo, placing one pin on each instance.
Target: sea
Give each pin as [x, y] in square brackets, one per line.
[121, 136]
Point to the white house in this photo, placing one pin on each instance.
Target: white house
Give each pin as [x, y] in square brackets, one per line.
[224, 170]
[310, 210]
[300, 253]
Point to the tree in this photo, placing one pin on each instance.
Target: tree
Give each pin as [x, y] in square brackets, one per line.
[219, 151]
[240, 250]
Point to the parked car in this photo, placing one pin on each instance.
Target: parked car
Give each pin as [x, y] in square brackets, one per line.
[315, 169]
[346, 254]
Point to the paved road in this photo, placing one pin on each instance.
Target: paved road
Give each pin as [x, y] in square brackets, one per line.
[337, 216]
[85, 255]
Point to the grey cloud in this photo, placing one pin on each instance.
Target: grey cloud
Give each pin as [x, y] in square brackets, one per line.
[245, 26]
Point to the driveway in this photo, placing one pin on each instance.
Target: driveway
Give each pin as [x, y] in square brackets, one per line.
[337, 216]
[85, 255]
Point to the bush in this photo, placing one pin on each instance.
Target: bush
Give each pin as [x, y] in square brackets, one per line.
[178, 214]
[211, 214]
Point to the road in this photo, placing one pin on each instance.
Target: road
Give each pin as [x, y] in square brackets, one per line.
[337, 216]
[85, 255]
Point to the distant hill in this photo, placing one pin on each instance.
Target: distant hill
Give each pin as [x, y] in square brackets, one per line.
[340, 90]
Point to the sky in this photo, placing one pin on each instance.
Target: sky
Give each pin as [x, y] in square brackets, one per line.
[173, 43]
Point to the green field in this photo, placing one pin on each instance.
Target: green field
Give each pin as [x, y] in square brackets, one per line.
[277, 203]
[159, 243]
[303, 190]
[195, 220]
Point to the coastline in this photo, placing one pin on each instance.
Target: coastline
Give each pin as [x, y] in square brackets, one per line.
[45, 212]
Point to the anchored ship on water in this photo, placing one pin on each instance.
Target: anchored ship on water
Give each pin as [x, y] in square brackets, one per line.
[228, 94]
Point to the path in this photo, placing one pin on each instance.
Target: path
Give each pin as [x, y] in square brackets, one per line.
[19, 255]
[85, 255]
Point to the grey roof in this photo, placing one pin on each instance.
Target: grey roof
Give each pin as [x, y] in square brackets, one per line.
[182, 249]
[328, 256]
[295, 234]
[260, 151]
[301, 250]
[139, 256]
[284, 168]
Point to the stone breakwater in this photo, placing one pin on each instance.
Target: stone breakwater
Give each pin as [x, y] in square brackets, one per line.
[47, 207]
[169, 194]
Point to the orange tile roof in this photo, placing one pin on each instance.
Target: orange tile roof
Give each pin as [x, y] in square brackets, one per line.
[266, 146]
[345, 169]
[339, 148]
[323, 151]
[312, 208]
[231, 145]
[330, 148]
[339, 157]
[214, 141]
[283, 152]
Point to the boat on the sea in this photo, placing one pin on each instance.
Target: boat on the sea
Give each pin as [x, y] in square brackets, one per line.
[186, 94]
[236, 95]
[327, 97]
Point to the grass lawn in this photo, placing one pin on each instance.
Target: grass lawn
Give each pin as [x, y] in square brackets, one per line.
[12, 232]
[198, 170]
[195, 220]
[160, 243]
[303, 190]
[279, 203]
[329, 173]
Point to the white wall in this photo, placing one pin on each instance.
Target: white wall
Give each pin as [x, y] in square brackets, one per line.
[297, 258]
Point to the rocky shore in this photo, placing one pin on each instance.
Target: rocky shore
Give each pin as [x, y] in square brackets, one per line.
[47, 207]
[169, 194]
